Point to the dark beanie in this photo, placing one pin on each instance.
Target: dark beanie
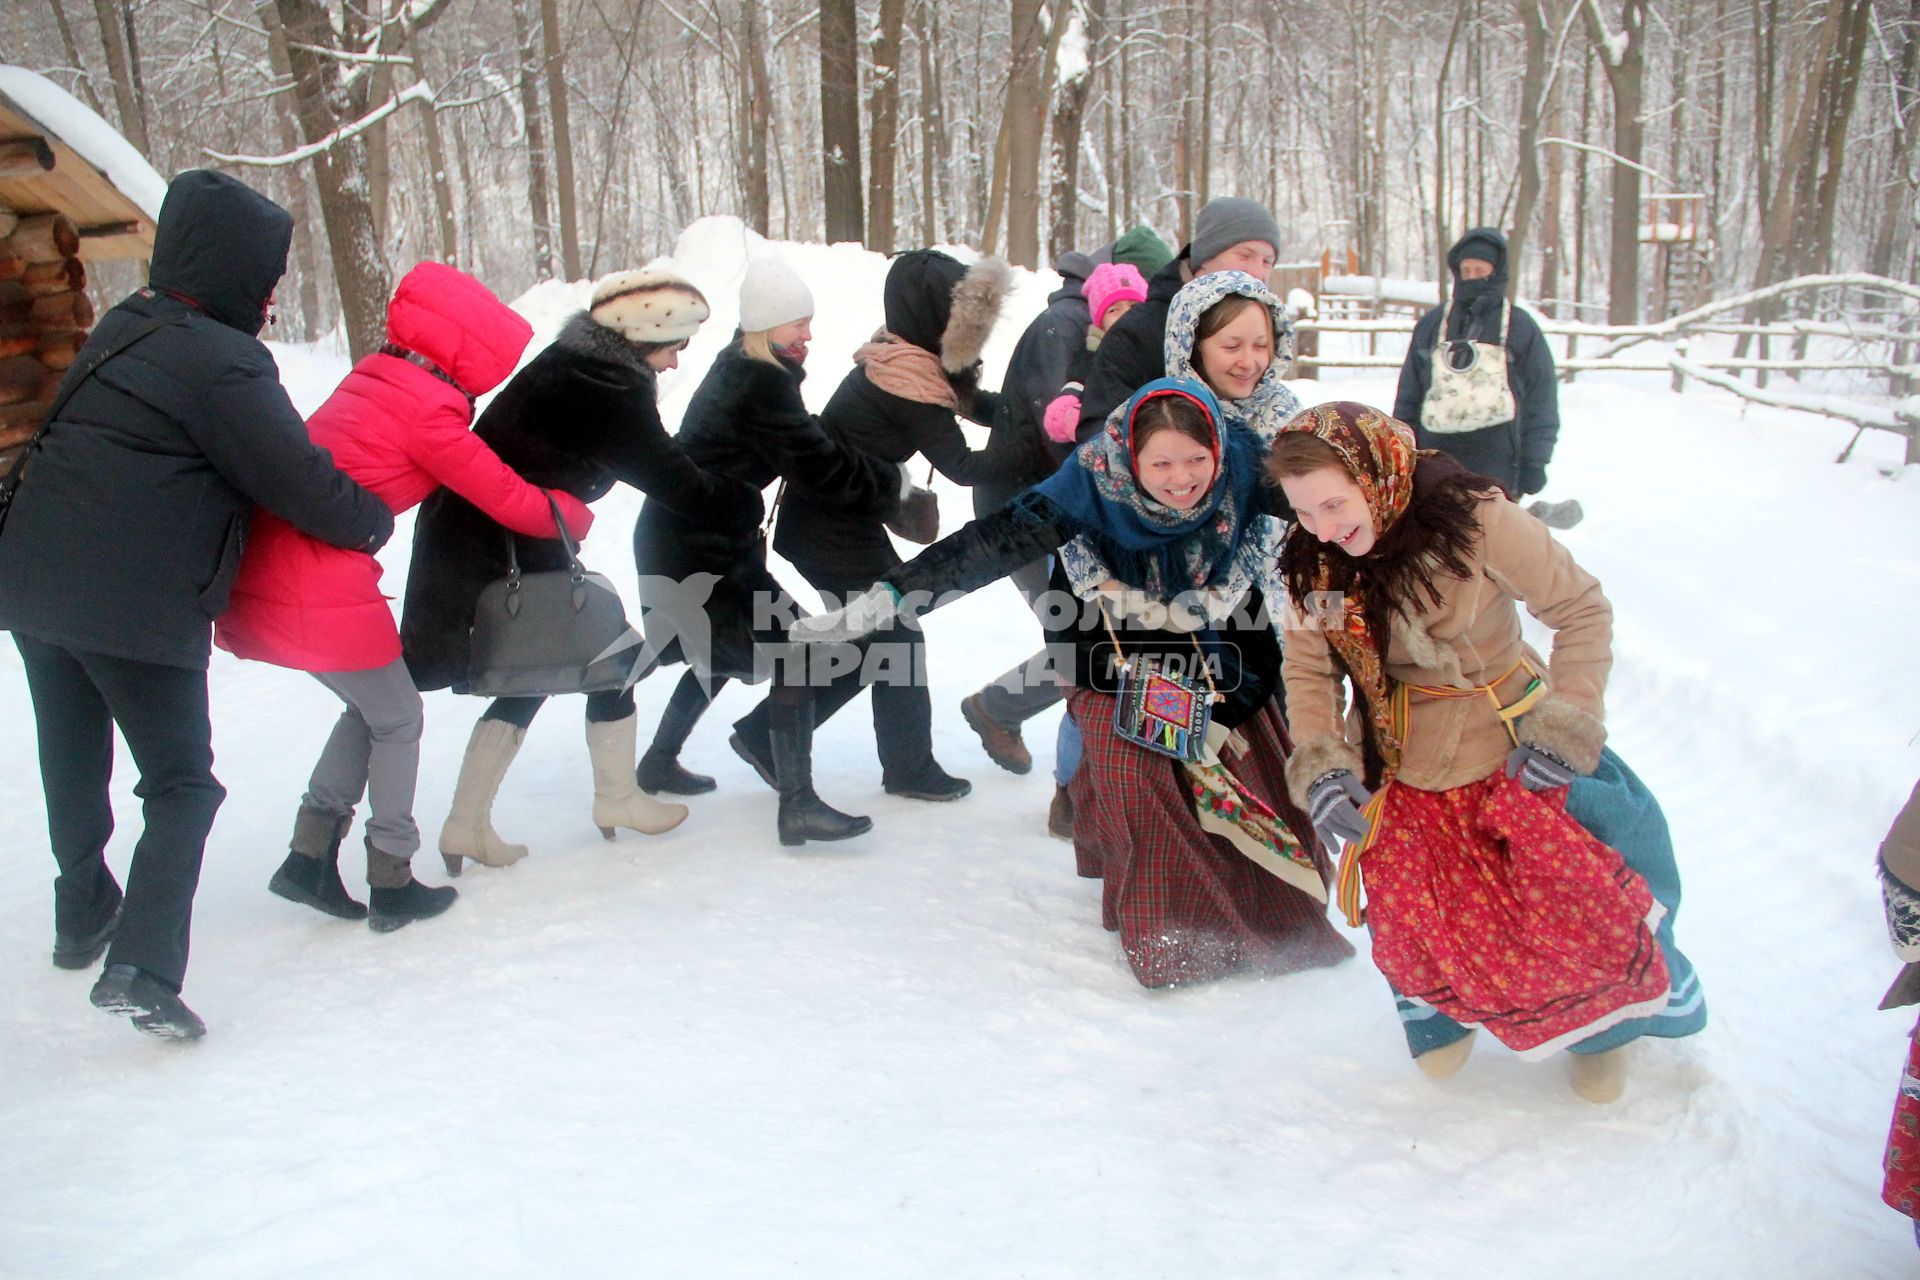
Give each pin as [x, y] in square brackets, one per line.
[918, 296]
[1225, 222]
[1142, 249]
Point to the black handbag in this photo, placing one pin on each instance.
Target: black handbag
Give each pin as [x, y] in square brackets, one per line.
[918, 517]
[554, 631]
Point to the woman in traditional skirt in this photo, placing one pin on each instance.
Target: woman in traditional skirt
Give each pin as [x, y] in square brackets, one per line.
[1518, 876]
[1208, 868]
[1899, 872]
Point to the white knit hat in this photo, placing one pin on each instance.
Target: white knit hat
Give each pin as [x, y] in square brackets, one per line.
[648, 306]
[772, 294]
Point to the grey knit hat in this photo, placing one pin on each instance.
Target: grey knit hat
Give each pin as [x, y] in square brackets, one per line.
[1225, 222]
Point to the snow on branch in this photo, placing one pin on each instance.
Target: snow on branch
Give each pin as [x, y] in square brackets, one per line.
[1688, 319]
[1612, 45]
[420, 91]
[1614, 156]
[1858, 412]
[346, 55]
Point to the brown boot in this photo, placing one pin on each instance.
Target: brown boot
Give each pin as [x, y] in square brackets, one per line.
[1003, 745]
[1060, 814]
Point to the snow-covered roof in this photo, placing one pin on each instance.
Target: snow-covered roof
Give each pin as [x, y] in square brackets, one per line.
[98, 179]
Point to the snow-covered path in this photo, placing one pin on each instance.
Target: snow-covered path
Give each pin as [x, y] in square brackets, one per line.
[919, 1055]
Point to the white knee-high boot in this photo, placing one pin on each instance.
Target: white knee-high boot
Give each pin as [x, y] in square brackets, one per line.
[469, 832]
[617, 799]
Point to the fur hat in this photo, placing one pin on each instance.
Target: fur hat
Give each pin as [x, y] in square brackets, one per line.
[1228, 221]
[648, 306]
[772, 294]
[1112, 282]
[940, 305]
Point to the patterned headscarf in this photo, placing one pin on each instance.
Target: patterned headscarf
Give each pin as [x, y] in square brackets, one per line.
[1146, 543]
[1271, 404]
[1379, 455]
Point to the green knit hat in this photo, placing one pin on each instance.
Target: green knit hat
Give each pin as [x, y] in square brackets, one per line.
[1141, 248]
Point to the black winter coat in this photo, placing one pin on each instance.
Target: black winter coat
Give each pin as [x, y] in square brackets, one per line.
[1243, 652]
[1051, 353]
[1133, 352]
[826, 540]
[1514, 453]
[582, 416]
[126, 532]
[748, 422]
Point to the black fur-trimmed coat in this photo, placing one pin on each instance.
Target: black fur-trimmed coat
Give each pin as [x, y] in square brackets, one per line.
[581, 417]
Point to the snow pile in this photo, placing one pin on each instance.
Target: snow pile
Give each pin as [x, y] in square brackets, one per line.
[918, 1053]
[80, 127]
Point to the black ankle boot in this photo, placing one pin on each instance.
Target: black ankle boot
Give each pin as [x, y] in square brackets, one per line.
[803, 815]
[659, 768]
[311, 873]
[658, 772]
[396, 899]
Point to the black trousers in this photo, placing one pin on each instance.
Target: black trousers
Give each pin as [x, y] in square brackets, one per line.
[78, 698]
[902, 703]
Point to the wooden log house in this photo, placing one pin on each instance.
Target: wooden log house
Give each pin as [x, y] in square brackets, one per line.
[58, 213]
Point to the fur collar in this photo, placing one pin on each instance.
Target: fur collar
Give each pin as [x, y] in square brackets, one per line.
[976, 305]
[582, 335]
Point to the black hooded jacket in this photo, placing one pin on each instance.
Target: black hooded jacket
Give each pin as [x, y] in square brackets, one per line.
[1515, 453]
[1051, 352]
[127, 529]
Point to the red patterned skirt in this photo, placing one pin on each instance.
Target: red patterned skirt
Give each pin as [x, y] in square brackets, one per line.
[1902, 1160]
[1187, 905]
[1490, 904]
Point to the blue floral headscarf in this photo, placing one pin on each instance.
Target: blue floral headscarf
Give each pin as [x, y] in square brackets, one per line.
[1143, 542]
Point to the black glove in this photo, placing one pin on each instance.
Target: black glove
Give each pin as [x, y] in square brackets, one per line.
[1335, 804]
[1538, 769]
[1533, 478]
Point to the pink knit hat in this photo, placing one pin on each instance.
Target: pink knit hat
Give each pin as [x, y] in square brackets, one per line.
[1112, 282]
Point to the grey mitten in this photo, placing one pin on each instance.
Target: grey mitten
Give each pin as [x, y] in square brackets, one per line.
[1537, 768]
[1336, 805]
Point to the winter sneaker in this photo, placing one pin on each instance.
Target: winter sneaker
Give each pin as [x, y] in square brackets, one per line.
[154, 1007]
[1060, 814]
[1557, 515]
[80, 952]
[933, 784]
[762, 761]
[658, 772]
[1601, 1077]
[390, 909]
[1438, 1064]
[1003, 745]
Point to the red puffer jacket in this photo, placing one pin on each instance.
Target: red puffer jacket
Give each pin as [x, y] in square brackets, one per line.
[402, 432]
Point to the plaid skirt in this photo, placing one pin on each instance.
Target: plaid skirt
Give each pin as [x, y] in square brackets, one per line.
[1187, 905]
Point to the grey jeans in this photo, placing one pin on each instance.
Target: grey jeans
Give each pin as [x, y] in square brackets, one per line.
[374, 750]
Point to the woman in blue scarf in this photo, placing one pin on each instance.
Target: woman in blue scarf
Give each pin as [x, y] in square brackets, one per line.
[1208, 867]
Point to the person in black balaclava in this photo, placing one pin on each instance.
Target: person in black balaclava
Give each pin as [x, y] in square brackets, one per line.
[1516, 451]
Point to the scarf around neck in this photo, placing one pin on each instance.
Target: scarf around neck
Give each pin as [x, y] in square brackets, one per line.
[902, 369]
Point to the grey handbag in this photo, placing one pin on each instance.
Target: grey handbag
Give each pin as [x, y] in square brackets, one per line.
[554, 631]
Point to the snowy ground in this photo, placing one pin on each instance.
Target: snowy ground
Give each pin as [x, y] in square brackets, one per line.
[918, 1054]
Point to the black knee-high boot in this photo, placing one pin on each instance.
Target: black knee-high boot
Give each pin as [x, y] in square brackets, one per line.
[803, 815]
[659, 768]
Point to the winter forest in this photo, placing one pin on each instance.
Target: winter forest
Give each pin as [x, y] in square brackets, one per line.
[528, 139]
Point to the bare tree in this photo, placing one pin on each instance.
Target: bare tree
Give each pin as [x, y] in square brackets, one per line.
[840, 118]
[1623, 57]
[883, 114]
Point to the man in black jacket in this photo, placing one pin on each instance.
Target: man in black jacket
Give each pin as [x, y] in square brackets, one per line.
[1229, 234]
[1514, 452]
[118, 553]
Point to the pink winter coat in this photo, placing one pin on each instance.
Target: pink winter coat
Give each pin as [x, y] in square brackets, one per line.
[401, 432]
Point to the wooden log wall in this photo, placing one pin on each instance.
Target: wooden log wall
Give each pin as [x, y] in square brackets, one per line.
[44, 318]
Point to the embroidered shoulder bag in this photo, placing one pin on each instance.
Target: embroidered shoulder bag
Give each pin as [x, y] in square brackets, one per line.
[1158, 706]
[1469, 390]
